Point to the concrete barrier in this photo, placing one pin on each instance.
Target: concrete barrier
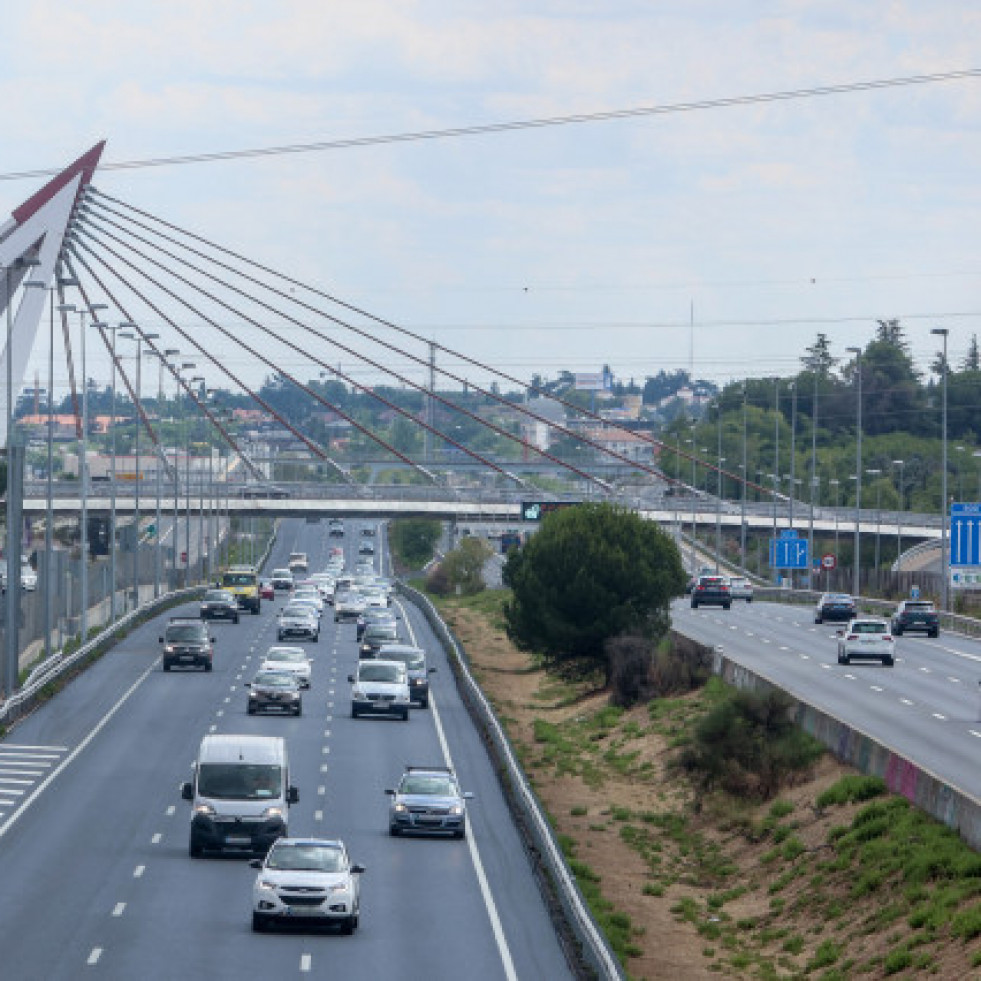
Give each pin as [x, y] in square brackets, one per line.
[956, 808]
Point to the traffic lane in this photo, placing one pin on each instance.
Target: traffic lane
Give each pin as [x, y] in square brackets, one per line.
[412, 884]
[890, 704]
[530, 934]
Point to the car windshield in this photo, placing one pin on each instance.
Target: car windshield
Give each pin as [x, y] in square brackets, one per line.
[238, 579]
[240, 781]
[306, 858]
[190, 632]
[919, 607]
[297, 610]
[274, 679]
[217, 596]
[282, 573]
[379, 672]
[415, 660]
[286, 655]
[868, 627]
[430, 784]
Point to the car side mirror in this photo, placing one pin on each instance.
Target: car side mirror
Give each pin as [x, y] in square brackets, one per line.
[432, 671]
[293, 796]
[350, 678]
[212, 639]
[256, 863]
[358, 869]
[160, 640]
[389, 791]
[840, 633]
[247, 684]
[187, 791]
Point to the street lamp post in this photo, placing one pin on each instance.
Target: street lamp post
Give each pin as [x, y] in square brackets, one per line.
[942, 332]
[130, 336]
[899, 516]
[856, 584]
[835, 483]
[185, 366]
[691, 443]
[876, 472]
[195, 380]
[112, 485]
[793, 449]
[815, 480]
[742, 495]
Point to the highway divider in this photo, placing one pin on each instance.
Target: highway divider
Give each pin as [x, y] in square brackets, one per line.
[954, 807]
[578, 931]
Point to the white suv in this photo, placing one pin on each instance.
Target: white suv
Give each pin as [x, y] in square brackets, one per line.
[380, 687]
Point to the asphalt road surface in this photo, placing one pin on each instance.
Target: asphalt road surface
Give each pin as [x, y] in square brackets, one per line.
[95, 877]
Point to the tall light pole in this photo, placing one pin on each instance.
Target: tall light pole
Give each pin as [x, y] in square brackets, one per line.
[835, 482]
[815, 481]
[899, 516]
[186, 366]
[83, 464]
[945, 574]
[856, 584]
[718, 490]
[742, 495]
[793, 450]
[876, 472]
[776, 465]
[170, 352]
[112, 486]
[197, 380]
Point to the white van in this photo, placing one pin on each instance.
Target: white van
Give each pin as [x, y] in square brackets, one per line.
[241, 794]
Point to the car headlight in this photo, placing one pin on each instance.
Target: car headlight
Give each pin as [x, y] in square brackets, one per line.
[357, 692]
[272, 812]
[266, 884]
[338, 887]
[456, 810]
[168, 649]
[205, 810]
[400, 808]
[253, 694]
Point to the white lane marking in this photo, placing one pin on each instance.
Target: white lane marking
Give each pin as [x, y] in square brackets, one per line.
[238, 677]
[212, 728]
[876, 688]
[23, 773]
[784, 648]
[323, 767]
[325, 750]
[219, 713]
[804, 657]
[155, 840]
[942, 718]
[749, 633]
[318, 815]
[925, 670]
[228, 698]
[827, 667]
[906, 701]
[478, 865]
[330, 718]
[117, 910]
[170, 811]
[766, 640]
[138, 871]
[23, 783]
[53, 749]
[956, 681]
[321, 790]
[974, 732]
[94, 956]
[850, 677]
[68, 760]
[306, 961]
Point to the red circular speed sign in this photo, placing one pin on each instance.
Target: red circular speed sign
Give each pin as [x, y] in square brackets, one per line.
[828, 561]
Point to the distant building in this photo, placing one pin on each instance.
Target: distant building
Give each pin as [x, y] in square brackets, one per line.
[634, 446]
[540, 434]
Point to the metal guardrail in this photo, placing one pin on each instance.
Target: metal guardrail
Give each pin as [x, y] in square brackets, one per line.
[593, 949]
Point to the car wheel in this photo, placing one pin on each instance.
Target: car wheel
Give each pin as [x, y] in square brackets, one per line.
[208, 666]
[258, 923]
[694, 606]
[193, 848]
[354, 713]
[898, 631]
[749, 599]
[347, 926]
[405, 715]
[817, 620]
[725, 606]
[279, 637]
[424, 703]
[462, 833]
[845, 659]
[298, 710]
[887, 662]
[166, 665]
[236, 618]
[394, 831]
[251, 710]
[934, 633]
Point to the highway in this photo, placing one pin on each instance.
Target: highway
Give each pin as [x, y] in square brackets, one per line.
[95, 877]
[927, 707]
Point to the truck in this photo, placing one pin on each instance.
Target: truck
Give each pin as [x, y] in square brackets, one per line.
[243, 582]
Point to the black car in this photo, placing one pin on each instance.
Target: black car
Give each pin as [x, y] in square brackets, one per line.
[186, 643]
[219, 604]
[414, 659]
[277, 690]
[711, 591]
[834, 606]
[366, 548]
[916, 615]
[375, 635]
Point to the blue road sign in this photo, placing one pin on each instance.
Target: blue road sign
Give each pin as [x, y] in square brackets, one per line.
[965, 534]
[789, 551]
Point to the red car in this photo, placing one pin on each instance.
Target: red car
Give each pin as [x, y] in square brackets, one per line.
[266, 590]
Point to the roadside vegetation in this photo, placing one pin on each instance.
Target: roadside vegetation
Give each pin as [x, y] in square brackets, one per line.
[413, 542]
[712, 838]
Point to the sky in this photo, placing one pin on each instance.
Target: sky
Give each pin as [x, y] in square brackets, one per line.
[724, 239]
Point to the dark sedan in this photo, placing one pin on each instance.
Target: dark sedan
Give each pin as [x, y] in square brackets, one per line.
[219, 604]
[834, 606]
